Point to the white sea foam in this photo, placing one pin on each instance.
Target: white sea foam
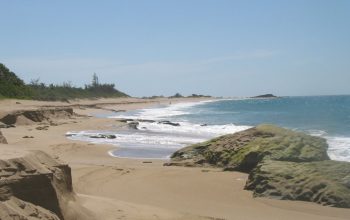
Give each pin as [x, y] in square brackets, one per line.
[139, 144]
[137, 139]
[339, 148]
[164, 112]
[161, 138]
[318, 133]
[157, 135]
[186, 128]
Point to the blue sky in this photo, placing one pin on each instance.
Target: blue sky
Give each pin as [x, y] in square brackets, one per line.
[216, 47]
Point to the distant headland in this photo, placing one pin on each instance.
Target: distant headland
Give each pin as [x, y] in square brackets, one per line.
[265, 96]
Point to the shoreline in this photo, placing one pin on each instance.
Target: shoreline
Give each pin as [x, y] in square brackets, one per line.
[138, 158]
[127, 152]
[130, 189]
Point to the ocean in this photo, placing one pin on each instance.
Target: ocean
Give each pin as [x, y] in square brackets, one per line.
[325, 116]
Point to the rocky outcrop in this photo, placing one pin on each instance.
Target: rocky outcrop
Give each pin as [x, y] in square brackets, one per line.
[281, 163]
[127, 120]
[2, 139]
[37, 115]
[242, 151]
[169, 123]
[36, 186]
[324, 182]
[104, 136]
[133, 124]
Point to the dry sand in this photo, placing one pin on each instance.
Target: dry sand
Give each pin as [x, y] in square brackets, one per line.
[115, 188]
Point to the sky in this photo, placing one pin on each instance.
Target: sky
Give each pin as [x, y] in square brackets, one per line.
[161, 47]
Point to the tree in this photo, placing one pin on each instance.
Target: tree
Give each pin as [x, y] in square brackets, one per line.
[95, 82]
[35, 82]
[177, 95]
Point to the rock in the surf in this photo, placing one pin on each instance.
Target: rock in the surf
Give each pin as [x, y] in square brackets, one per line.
[169, 123]
[324, 182]
[283, 164]
[106, 136]
[242, 151]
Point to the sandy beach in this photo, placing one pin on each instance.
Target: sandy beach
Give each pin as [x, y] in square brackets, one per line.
[115, 188]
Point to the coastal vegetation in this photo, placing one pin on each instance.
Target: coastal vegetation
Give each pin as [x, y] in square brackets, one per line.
[178, 95]
[11, 86]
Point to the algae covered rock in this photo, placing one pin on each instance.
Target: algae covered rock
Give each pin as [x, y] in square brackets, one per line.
[324, 182]
[281, 163]
[242, 151]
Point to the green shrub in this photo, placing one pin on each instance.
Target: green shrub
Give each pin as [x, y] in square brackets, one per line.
[13, 87]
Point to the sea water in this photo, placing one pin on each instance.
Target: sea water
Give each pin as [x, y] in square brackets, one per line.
[325, 116]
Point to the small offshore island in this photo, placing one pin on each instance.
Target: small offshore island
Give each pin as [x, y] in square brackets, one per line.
[266, 96]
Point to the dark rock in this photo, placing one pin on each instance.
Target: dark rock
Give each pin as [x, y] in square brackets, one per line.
[97, 136]
[136, 120]
[146, 120]
[46, 127]
[106, 136]
[116, 111]
[133, 125]
[9, 119]
[53, 123]
[124, 120]
[111, 136]
[168, 123]
[27, 136]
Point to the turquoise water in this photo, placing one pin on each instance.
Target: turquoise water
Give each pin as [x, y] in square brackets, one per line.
[329, 114]
[325, 116]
